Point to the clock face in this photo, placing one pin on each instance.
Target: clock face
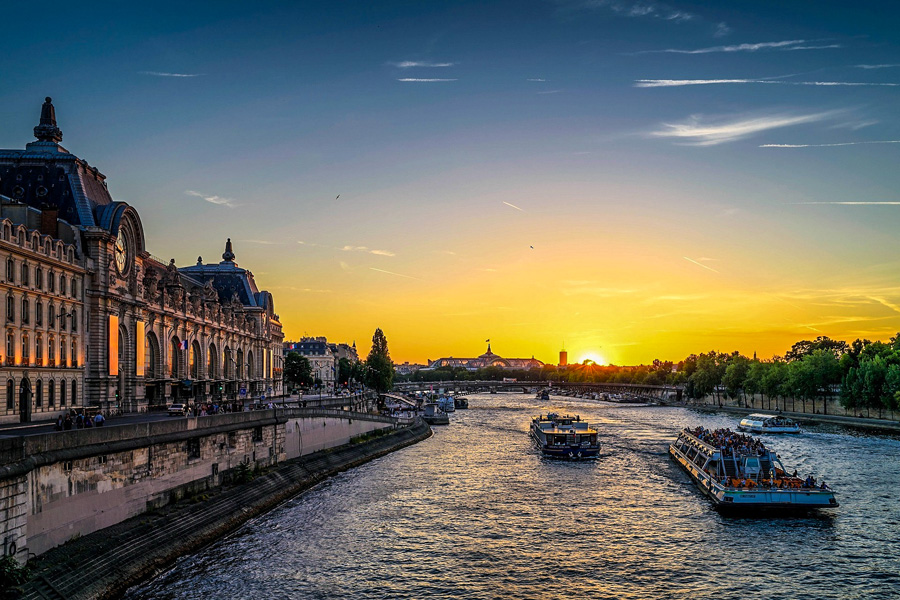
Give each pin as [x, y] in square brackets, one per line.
[122, 253]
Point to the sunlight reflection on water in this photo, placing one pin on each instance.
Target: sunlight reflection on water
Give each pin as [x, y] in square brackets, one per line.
[476, 512]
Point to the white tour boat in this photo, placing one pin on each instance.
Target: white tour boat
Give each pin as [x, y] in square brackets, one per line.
[760, 423]
[739, 474]
[565, 436]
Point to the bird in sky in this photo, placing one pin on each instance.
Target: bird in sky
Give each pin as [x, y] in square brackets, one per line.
[532, 247]
[338, 196]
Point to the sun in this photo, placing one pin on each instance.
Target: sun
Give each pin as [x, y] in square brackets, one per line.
[593, 356]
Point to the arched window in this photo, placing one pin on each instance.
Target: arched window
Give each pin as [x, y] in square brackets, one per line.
[38, 312]
[62, 318]
[151, 354]
[10, 270]
[62, 352]
[51, 351]
[74, 319]
[10, 308]
[26, 312]
[74, 354]
[39, 278]
[47, 248]
[62, 284]
[39, 394]
[74, 394]
[212, 367]
[10, 348]
[73, 288]
[196, 358]
[229, 364]
[251, 372]
[240, 364]
[51, 393]
[51, 282]
[24, 274]
[26, 350]
[39, 350]
[51, 316]
[10, 389]
[62, 392]
[175, 358]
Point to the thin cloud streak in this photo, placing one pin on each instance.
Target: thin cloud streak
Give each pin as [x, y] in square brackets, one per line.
[693, 132]
[512, 206]
[218, 200]
[540, 80]
[424, 80]
[849, 203]
[699, 264]
[408, 64]
[888, 66]
[654, 83]
[828, 145]
[783, 45]
[626, 8]
[163, 74]
[395, 274]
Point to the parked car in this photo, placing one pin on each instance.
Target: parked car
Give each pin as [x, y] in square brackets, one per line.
[178, 409]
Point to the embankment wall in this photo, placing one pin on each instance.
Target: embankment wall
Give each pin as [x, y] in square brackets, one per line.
[60, 486]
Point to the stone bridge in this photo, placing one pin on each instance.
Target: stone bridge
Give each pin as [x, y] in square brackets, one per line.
[462, 388]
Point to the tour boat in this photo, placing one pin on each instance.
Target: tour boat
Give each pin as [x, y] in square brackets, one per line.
[565, 436]
[433, 415]
[768, 424]
[740, 474]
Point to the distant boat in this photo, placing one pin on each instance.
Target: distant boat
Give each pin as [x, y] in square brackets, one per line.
[460, 402]
[434, 415]
[544, 395]
[565, 436]
[760, 423]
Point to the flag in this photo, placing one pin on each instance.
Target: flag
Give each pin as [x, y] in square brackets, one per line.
[183, 345]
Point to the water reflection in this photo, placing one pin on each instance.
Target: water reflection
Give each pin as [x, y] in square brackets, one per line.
[477, 512]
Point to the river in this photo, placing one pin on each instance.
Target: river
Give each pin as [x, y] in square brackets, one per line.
[476, 512]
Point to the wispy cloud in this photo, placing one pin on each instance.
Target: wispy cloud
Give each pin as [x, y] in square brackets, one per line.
[754, 47]
[424, 80]
[699, 264]
[850, 203]
[545, 92]
[632, 8]
[512, 206]
[367, 249]
[395, 274]
[408, 64]
[722, 29]
[536, 79]
[696, 133]
[219, 200]
[654, 83]
[828, 145]
[163, 74]
[886, 66]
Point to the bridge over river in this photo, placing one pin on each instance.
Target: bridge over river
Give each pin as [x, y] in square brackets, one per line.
[638, 391]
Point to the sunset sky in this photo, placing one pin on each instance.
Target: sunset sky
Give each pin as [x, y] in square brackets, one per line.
[633, 179]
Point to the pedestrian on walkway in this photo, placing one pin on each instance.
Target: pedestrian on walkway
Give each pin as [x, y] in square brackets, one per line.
[99, 420]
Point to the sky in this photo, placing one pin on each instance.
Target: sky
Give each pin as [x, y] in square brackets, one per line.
[629, 179]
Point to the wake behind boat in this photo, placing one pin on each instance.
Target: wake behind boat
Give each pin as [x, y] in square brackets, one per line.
[759, 423]
[740, 474]
[565, 436]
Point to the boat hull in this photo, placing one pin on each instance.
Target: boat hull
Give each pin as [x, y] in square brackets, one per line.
[564, 451]
[742, 501]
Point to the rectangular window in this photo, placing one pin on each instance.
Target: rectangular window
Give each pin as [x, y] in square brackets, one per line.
[26, 313]
[193, 448]
[257, 434]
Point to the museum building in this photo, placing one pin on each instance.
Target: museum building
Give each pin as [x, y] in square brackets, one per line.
[93, 319]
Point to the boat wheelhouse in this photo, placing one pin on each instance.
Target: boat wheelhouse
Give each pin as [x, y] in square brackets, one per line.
[740, 474]
[759, 423]
[565, 436]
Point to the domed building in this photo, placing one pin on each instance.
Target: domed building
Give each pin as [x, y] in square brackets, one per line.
[488, 359]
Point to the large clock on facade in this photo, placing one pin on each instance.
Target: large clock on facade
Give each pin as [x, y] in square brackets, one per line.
[123, 253]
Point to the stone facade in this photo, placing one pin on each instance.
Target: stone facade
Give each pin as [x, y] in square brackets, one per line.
[148, 332]
[42, 312]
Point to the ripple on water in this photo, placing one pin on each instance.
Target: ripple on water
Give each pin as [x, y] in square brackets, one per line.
[477, 512]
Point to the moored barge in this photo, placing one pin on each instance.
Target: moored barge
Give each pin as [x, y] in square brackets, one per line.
[740, 474]
[565, 436]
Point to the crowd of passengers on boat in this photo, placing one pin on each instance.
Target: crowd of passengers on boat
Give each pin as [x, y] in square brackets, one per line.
[735, 444]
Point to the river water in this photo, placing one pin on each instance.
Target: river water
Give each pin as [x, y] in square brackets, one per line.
[476, 512]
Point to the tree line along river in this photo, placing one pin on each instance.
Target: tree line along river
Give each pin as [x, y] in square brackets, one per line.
[477, 512]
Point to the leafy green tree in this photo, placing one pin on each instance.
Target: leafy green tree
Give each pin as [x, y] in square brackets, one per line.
[379, 367]
[297, 370]
[806, 347]
[345, 370]
[736, 375]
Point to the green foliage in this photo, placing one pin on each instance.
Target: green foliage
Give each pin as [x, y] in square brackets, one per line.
[297, 370]
[379, 367]
[12, 575]
[243, 474]
[345, 371]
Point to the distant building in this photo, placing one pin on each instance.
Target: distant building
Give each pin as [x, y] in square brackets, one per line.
[563, 358]
[322, 356]
[488, 359]
[408, 368]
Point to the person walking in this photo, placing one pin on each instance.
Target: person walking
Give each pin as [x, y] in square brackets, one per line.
[99, 420]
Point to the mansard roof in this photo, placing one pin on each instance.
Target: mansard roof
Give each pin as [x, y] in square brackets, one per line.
[46, 175]
[228, 279]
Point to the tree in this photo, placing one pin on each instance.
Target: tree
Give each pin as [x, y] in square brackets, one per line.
[345, 370]
[736, 375]
[297, 370]
[379, 367]
[805, 347]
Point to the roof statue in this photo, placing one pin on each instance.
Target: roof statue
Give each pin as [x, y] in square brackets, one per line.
[228, 255]
[47, 131]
